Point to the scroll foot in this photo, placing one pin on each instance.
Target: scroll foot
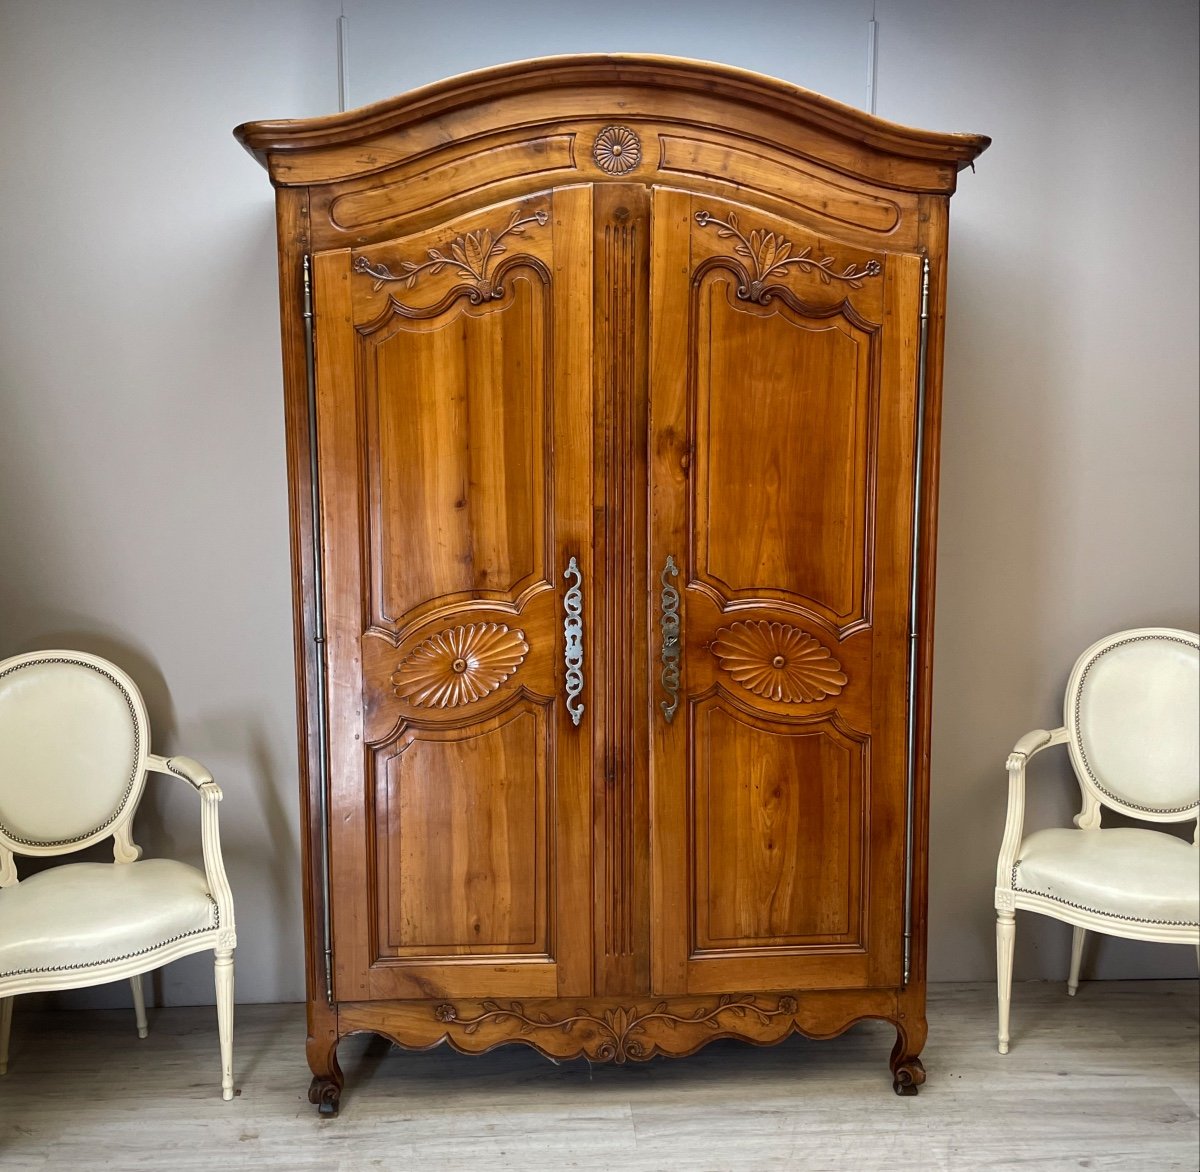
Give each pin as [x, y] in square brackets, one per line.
[326, 1095]
[908, 1076]
[907, 1072]
[325, 1090]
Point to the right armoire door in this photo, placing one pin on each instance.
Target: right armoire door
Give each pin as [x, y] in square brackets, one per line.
[782, 441]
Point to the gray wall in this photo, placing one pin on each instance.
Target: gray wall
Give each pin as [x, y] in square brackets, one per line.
[142, 494]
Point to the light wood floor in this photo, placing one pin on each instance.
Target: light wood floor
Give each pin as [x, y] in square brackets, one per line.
[1108, 1080]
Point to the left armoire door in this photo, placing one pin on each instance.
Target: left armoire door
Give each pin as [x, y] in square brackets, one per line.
[454, 424]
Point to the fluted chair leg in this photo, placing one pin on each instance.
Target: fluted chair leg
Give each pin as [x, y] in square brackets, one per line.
[1006, 934]
[1077, 938]
[223, 972]
[139, 1005]
[6, 1006]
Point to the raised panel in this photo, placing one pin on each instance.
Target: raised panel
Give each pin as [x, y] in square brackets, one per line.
[783, 432]
[458, 431]
[450, 175]
[465, 838]
[769, 171]
[778, 829]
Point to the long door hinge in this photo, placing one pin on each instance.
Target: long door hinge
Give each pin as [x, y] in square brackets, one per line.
[914, 600]
[318, 630]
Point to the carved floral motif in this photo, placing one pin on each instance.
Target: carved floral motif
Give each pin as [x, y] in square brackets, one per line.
[769, 253]
[617, 150]
[619, 1028]
[470, 255]
[778, 662]
[459, 666]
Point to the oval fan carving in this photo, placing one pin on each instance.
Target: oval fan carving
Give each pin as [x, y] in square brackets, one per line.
[459, 666]
[778, 662]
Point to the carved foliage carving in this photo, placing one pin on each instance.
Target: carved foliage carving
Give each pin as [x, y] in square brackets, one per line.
[621, 1031]
[470, 255]
[617, 150]
[778, 662]
[459, 666]
[768, 253]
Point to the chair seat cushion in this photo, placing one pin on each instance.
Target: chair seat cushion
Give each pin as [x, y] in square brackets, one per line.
[1126, 872]
[83, 914]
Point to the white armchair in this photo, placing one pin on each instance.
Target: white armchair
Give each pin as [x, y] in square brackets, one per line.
[74, 753]
[1131, 727]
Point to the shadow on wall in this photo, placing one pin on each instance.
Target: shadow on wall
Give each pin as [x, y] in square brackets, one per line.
[167, 824]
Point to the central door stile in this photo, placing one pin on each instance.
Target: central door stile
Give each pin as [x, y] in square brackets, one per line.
[621, 228]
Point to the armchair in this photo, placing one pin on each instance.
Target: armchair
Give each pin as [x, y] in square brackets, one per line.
[1130, 725]
[74, 753]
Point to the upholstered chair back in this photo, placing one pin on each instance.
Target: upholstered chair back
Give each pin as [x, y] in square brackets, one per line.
[73, 744]
[1132, 714]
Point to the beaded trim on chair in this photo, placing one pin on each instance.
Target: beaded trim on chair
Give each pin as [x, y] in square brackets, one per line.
[1079, 731]
[1083, 907]
[133, 773]
[91, 964]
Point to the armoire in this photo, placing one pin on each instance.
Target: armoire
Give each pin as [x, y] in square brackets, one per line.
[612, 394]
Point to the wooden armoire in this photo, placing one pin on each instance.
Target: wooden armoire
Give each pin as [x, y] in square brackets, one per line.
[612, 396]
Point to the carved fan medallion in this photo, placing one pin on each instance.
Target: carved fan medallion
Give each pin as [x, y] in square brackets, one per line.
[778, 662]
[459, 666]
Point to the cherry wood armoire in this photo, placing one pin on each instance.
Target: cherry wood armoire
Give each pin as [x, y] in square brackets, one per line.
[613, 391]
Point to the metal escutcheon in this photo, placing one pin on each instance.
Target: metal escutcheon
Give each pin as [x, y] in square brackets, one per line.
[669, 624]
[573, 641]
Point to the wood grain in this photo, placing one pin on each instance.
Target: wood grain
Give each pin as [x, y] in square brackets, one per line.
[618, 313]
[621, 313]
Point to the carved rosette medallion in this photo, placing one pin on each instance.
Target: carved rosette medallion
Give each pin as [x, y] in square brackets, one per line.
[617, 150]
[768, 253]
[778, 662]
[620, 1034]
[459, 666]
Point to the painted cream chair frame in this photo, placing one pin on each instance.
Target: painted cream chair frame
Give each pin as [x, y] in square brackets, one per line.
[1130, 725]
[74, 754]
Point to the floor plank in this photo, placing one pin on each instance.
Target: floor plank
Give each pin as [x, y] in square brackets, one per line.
[1105, 1081]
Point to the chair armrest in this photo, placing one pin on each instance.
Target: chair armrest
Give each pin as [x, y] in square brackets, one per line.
[1035, 742]
[202, 782]
[190, 770]
[1028, 746]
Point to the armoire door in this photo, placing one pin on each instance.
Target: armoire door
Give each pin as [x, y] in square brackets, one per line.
[782, 432]
[453, 383]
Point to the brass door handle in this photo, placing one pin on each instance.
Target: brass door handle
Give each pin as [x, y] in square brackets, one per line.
[669, 624]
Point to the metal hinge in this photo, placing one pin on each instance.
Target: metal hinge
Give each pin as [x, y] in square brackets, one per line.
[913, 624]
[318, 628]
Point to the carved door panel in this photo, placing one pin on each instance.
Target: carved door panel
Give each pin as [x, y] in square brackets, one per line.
[784, 374]
[453, 375]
